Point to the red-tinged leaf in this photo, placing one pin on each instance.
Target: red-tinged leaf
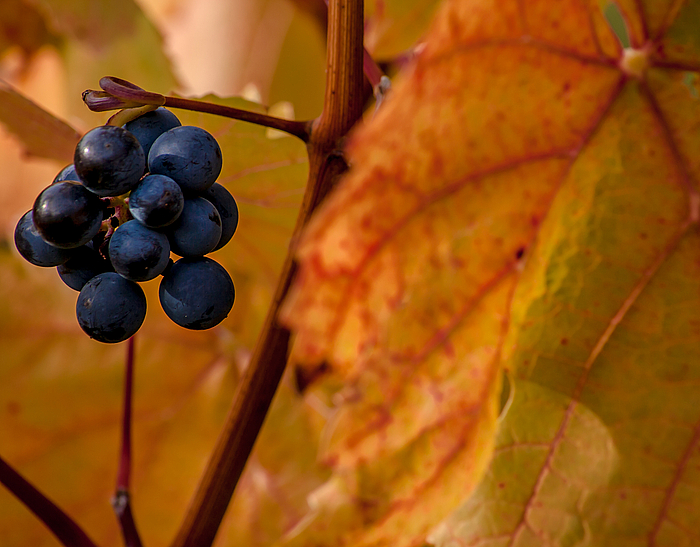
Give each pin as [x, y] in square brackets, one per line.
[537, 211]
[41, 133]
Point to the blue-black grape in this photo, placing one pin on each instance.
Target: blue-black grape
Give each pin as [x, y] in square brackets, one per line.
[33, 247]
[151, 125]
[80, 268]
[222, 199]
[196, 293]
[67, 173]
[189, 155]
[198, 229]
[137, 252]
[110, 308]
[157, 201]
[109, 160]
[177, 205]
[67, 215]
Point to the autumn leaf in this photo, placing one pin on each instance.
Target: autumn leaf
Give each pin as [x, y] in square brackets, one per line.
[526, 201]
[107, 37]
[28, 36]
[394, 27]
[41, 133]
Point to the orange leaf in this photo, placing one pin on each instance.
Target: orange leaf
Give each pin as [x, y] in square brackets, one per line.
[508, 205]
[41, 133]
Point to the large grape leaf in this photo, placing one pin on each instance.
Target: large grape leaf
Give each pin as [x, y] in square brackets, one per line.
[527, 200]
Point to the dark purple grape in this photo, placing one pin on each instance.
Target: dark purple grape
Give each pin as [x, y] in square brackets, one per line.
[110, 308]
[151, 125]
[222, 199]
[138, 253]
[198, 229]
[33, 247]
[196, 293]
[157, 201]
[67, 215]
[80, 268]
[109, 160]
[189, 155]
[67, 173]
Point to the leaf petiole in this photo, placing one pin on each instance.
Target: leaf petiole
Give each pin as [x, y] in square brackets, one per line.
[117, 94]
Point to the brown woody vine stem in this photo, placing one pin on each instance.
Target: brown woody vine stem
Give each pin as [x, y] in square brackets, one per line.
[342, 109]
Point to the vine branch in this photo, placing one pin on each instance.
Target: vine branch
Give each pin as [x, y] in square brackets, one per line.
[121, 503]
[61, 525]
[342, 109]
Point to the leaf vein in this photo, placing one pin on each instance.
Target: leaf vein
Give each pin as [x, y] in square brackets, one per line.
[642, 283]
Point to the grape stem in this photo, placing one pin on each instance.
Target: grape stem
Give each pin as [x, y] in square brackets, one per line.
[343, 105]
[121, 502]
[300, 129]
[117, 93]
[66, 530]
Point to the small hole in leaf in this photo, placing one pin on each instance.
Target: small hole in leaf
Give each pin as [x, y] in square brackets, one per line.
[617, 23]
[692, 82]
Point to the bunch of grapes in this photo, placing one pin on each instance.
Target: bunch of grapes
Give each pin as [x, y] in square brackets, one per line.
[133, 195]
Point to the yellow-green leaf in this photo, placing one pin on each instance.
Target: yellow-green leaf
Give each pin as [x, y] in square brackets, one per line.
[395, 26]
[537, 211]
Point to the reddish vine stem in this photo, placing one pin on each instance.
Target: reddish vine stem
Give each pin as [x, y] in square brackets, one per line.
[342, 109]
[117, 93]
[124, 472]
[121, 501]
[299, 129]
[61, 525]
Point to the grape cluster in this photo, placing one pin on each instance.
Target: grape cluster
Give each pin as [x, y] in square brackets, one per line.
[133, 195]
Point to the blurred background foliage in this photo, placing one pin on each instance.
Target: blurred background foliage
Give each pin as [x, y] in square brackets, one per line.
[60, 392]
